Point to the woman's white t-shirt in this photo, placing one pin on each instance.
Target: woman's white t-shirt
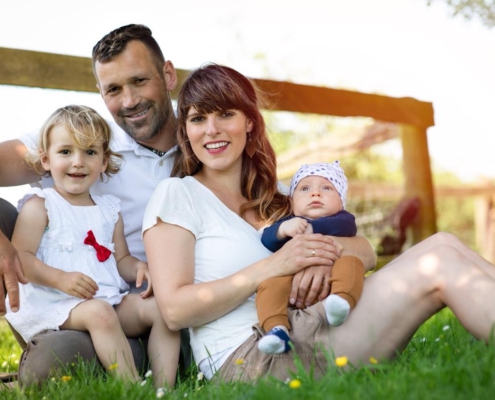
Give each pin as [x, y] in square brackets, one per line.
[225, 244]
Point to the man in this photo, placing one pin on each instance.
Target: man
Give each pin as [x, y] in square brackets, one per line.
[135, 81]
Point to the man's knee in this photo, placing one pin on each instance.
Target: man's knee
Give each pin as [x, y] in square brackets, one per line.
[8, 216]
[57, 350]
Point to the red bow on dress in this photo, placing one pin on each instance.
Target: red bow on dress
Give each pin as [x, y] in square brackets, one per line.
[102, 253]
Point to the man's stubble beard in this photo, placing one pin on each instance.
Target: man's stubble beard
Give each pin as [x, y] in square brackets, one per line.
[157, 123]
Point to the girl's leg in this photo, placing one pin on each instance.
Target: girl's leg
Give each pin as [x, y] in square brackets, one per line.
[100, 319]
[138, 315]
[397, 299]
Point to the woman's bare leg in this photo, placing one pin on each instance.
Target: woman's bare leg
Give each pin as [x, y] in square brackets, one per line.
[138, 315]
[397, 299]
[443, 238]
[100, 319]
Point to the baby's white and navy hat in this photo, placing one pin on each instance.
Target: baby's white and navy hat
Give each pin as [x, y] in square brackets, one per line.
[330, 171]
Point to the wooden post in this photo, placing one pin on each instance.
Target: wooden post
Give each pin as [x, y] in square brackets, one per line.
[418, 179]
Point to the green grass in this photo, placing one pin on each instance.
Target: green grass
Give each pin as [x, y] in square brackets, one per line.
[10, 351]
[439, 363]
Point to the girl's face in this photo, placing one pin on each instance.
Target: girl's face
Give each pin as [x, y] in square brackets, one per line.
[218, 138]
[74, 170]
[315, 197]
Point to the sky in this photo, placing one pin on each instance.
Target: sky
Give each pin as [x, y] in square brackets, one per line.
[392, 47]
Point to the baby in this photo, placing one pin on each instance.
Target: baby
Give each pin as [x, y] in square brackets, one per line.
[318, 193]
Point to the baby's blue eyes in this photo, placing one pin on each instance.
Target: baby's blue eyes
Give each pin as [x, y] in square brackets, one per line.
[307, 188]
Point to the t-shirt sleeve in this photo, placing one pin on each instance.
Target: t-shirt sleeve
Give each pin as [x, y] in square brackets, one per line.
[31, 140]
[172, 203]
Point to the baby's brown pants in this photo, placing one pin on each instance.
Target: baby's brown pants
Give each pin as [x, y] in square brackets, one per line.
[347, 279]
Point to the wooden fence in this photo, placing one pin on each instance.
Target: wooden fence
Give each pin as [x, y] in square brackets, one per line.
[63, 72]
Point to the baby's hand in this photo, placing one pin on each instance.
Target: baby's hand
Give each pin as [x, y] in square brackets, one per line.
[143, 274]
[78, 285]
[292, 227]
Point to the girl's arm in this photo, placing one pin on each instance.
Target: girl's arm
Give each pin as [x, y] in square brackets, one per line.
[130, 268]
[171, 256]
[28, 231]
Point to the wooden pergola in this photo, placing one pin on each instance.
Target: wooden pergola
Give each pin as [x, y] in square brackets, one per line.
[63, 72]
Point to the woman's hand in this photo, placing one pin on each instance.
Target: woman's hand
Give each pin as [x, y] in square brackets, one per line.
[303, 251]
[308, 284]
[313, 281]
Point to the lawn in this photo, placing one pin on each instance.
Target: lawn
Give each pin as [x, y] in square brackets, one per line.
[442, 362]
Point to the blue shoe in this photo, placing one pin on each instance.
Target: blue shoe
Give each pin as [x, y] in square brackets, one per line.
[275, 342]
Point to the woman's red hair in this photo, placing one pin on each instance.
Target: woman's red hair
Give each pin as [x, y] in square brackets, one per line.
[216, 88]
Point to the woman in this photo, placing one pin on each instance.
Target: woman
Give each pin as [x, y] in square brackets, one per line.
[202, 241]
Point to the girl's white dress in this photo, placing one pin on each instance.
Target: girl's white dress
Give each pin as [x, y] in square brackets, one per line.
[62, 246]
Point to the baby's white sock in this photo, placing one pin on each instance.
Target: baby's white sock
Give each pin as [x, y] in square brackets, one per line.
[337, 309]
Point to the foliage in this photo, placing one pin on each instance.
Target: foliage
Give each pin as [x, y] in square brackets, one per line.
[455, 214]
[482, 9]
[373, 165]
[442, 361]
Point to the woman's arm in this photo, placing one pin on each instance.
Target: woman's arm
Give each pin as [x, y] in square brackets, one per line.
[28, 231]
[170, 250]
[359, 247]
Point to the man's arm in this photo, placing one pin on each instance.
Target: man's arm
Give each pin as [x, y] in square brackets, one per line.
[359, 247]
[13, 170]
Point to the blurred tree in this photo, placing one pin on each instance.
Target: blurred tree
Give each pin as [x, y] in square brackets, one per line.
[482, 9]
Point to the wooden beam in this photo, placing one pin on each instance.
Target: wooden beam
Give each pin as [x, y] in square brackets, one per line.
[345, 103]
[396, 192]
[46, 70]
[418, 179]
[56, 71]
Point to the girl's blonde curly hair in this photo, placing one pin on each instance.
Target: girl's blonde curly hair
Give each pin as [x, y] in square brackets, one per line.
[86, 128]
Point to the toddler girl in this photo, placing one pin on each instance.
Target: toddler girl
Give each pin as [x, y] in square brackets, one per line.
[75, 256]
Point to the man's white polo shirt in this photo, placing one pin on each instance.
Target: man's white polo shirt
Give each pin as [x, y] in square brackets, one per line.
[140, 172]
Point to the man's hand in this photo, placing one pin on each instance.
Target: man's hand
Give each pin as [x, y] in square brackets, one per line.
[10, 274]
[292, 227]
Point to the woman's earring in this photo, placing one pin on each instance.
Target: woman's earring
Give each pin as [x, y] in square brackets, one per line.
[250, 146]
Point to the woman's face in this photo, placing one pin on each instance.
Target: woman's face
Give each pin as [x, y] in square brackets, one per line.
[218, 138]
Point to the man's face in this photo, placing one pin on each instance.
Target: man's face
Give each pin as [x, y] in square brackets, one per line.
[135, 92]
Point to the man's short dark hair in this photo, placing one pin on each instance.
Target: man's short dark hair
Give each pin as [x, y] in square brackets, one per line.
[115, 42]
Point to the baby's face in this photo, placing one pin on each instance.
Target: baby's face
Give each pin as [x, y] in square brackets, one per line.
[315, 197]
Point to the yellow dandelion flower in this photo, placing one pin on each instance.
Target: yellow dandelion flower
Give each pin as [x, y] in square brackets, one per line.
[113, 366]
[341, 361]
[295, 384]
[373, 360]
[239, 361]
[66, 378]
